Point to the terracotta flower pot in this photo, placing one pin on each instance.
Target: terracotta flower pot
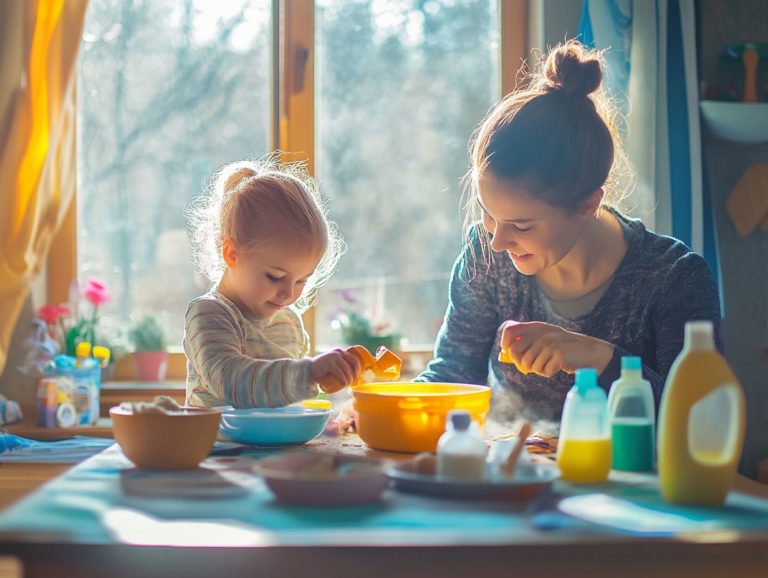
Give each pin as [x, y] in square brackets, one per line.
[150, 365]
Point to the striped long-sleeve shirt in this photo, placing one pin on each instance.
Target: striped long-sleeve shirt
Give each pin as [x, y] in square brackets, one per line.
[244, 361]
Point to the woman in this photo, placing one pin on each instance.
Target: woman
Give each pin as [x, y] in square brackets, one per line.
[553, 275]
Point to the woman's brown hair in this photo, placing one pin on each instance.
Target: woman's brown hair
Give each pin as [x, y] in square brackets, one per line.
[557, 137]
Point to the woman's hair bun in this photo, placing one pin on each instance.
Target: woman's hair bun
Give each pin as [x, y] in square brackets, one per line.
[573, 69]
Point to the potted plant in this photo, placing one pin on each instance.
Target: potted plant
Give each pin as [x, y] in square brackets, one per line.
[361, 328]
[59, 329]
[149, 349]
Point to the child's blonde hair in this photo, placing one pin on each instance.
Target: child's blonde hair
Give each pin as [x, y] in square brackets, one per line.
[261, 203]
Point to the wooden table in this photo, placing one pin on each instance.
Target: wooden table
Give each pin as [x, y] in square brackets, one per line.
[18, 480]
[537, 554]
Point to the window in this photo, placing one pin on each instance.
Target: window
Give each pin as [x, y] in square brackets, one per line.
[168, 92]
[379, 97]
[400, 87]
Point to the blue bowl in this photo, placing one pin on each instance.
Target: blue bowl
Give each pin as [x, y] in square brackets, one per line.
[273, 426]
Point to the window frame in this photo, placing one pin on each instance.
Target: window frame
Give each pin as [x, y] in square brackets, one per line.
[292, 132]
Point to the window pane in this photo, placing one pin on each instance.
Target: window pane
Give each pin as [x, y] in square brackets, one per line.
[401, 86]
[168, 92]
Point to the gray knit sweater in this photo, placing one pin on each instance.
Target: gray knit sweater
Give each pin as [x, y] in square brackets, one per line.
[659, 285]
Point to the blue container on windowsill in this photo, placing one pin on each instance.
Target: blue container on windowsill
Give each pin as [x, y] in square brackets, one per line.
[69, 395]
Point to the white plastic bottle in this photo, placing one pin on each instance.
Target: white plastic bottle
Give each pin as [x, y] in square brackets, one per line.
[632, 418]
[461, 449]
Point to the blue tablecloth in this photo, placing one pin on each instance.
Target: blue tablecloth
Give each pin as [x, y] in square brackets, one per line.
[16, 449]
[106, 500]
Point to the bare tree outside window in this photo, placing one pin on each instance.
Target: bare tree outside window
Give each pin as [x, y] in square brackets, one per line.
[401, 86]
[170, 91]
[167, 93]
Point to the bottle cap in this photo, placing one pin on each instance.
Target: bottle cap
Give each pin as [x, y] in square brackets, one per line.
[460, 419]
[699, 336]
[83, 349]
[631, 362]
[586, 378]
[102, 354]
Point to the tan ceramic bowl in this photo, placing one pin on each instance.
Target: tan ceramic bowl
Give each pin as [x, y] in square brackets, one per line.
[177, 441]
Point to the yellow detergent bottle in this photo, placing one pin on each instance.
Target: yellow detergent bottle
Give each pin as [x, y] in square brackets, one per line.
[584, 448]
[701, 423]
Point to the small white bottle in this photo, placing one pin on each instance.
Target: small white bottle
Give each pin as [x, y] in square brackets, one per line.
[461, 449]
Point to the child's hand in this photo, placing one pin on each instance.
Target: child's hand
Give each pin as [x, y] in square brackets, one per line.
[335, 370]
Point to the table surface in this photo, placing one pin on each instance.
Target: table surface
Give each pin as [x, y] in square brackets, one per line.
[93, 515]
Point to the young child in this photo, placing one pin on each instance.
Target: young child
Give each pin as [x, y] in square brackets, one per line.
[263, 238]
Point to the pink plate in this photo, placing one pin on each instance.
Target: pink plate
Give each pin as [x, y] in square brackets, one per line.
[314, 479]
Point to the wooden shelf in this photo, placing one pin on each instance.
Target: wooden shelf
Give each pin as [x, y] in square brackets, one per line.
[28, 428]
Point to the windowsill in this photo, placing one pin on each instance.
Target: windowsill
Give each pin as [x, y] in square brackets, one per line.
[114, 392]
[132, 385]
[28, 428]
[125, 372]
[414, 358]
[424, 349]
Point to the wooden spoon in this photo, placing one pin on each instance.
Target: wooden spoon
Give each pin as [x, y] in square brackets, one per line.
[508, 467]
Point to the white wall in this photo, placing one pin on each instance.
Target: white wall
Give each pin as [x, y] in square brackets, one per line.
[552, 21]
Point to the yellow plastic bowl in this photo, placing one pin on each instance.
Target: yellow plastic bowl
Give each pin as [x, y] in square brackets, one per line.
[410, 417]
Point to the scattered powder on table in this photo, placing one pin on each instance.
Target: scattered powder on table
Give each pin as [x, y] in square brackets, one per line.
[161, 404]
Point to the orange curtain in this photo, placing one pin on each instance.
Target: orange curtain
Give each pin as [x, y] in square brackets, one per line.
[39, 41]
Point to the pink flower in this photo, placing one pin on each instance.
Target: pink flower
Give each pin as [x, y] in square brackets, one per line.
[51, 313]
[95, 292]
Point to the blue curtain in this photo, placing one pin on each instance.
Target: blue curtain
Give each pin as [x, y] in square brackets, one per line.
[607, 24]
[586, 35]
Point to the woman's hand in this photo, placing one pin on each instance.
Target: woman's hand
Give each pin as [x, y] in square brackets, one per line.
[546, 349]
[334, 370]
